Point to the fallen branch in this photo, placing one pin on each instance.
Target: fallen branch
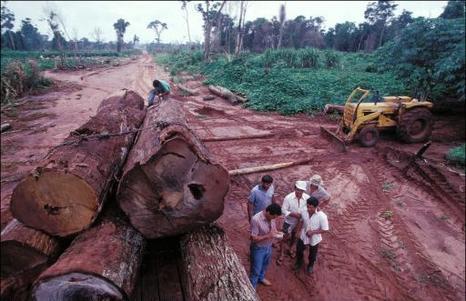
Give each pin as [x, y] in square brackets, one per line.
[248, 170]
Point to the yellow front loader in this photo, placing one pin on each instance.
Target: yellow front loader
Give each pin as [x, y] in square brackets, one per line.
[364, 118]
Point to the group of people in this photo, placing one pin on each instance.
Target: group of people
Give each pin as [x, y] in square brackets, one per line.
[303, 219]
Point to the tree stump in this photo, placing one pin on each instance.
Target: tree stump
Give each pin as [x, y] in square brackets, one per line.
[169, 185]
[65, 195]
[103, 261]
[24, 249]
[212, 269]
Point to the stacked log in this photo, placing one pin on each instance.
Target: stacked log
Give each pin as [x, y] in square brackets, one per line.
[212, 269]
[65, 195]
[227, 94]
[102, 263]
[169, 185]
[24, 249]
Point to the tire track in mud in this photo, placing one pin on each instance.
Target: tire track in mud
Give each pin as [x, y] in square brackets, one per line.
[409, 265]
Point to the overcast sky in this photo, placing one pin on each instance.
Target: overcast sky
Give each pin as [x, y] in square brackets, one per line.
[82, 17]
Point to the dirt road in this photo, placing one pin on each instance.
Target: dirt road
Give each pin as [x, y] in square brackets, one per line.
[393, 236]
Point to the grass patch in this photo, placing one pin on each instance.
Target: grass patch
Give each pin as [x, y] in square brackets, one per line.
[286, 80]
[456, 156]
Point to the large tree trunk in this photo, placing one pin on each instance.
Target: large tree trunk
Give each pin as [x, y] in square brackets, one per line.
[18, 287]
[66, 194]
[212, 269]
[24, 249]
[103, 261]
[169, 185]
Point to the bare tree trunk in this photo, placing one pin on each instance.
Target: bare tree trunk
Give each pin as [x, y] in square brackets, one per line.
[12, 41]
[169, 184]
[103, 261]
[187, 24]
[239, 35]
[381, 35]
[224, 280]
[282, 16]
[68, 191]
[208, 29]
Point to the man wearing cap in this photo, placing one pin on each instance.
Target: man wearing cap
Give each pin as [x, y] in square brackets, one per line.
[317, 190]
[314, 222]
[263, 233]
[261, 196]
[293, 205]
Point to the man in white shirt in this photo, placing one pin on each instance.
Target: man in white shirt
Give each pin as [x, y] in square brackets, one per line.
[314, 223]
[293, 204]
[317, 190]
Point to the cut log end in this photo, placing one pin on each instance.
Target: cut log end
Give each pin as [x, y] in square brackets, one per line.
[57, 203]
[77, 286]
[17, 258]
[174, 192]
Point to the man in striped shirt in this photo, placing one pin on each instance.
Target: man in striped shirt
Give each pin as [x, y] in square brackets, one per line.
[263, 232]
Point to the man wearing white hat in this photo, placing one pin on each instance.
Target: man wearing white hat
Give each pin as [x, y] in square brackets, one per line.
[293, 204]
[317, 190]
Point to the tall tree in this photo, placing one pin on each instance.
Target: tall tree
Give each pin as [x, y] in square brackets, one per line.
[158, 27]
[184, 7]
[240, 29]
[379, 14]
[97, 35]
[31, 36]
[210, 14]
[120, 29]
[7, 19]
[453, 10]
[281, 19]
[58, 42]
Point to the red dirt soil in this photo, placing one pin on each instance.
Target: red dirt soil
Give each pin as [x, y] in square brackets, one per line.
[393, 235]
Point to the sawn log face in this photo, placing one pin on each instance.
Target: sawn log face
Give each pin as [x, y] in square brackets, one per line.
[24, 249]
[65, 195]
[169, 185]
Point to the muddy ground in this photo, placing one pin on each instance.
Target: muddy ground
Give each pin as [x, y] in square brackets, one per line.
[394, 234]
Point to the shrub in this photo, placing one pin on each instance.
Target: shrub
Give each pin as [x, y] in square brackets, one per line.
[457, 155]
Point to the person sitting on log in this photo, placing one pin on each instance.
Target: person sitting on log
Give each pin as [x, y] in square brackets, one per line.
[161, 89]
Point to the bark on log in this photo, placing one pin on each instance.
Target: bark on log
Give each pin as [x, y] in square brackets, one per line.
[65, 195]
[103, 261]
[24, 249]
[227, 94]
[329, 108]
[169, 185]
[188, 90]
[18, 287]
[212, 269]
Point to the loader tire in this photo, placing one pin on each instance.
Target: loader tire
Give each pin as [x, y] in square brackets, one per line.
[368, 136]
[415, 125]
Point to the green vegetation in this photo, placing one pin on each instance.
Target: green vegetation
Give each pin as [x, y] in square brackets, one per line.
[429, 56]
[286, 80]
[457, 155]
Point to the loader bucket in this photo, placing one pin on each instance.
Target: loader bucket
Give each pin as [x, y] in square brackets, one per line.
[336, 141]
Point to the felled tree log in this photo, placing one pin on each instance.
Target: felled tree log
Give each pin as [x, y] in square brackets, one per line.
[24, 249]
[212, 269]
[18, 287]
[169, 185]
[248, 170]
[103, 261]
[227, 94]
[329, 108]
[65, 195]
[188, 90]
